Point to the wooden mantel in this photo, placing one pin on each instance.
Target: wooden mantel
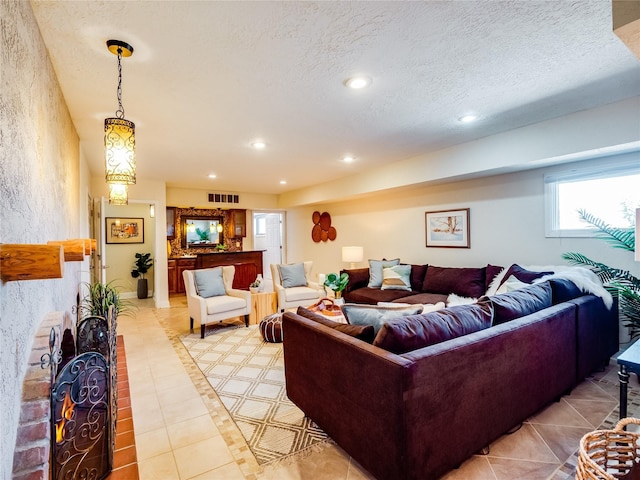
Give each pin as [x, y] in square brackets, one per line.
[31, 261]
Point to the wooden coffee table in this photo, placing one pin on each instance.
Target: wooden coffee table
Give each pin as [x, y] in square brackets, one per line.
[629, 362]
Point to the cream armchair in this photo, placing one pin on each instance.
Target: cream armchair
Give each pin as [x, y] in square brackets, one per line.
[293, 285]
[221, 300]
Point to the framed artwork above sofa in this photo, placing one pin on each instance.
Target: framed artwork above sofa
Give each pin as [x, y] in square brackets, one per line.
[448, 228]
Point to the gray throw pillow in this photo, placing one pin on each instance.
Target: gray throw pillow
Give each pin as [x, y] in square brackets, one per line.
[406, 334]
[375, 316]
[209, 282]
[375, 271]
[293, 275]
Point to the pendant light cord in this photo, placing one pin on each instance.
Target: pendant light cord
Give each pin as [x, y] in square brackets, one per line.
[120, 111]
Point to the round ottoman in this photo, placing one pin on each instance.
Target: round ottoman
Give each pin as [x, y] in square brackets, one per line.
[271, 328]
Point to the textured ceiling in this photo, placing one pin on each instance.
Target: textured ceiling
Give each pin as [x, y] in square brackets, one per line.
[207, 78]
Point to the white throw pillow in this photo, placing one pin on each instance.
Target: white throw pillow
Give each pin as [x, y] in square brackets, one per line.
[511, 284]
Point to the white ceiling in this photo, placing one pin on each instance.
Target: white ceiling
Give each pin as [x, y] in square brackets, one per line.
[209, 77]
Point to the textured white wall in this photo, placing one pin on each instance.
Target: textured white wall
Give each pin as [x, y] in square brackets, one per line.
[39, 199]
[507, 226]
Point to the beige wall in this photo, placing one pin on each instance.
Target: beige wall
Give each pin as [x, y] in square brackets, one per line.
[40, 201]
[507, 226]
[121, 257]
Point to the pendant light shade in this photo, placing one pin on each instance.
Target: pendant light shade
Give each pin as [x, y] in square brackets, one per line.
[119, 147]
[120, 133]
[118, 194]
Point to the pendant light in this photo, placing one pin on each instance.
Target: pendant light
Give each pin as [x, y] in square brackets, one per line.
[119, 133]
[118, 194]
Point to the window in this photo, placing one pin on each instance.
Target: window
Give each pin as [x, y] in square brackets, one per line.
[260, 226]
[610, 191]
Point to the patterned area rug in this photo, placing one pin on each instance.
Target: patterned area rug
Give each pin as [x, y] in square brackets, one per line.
[247, 373]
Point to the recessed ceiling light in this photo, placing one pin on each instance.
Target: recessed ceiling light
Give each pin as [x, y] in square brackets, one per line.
[258, 145]
[358, 82]
[468, 118]
[212, 175]
[348, 159]
[283, 182]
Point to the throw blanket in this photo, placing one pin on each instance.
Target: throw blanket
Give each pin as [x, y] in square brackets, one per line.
[586, 280]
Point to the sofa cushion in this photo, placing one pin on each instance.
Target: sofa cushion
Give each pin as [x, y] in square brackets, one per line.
[424, 298]
[375, 271]
[491, 273]
[521, 302]
[374, 315]
[563, 290]
[358, 278]
[466, 282]
[397, 277]
[372, 296]
[417, 276]
[362, 332]
[522, 274]
[409, 333]
[209, 282]
[293, 275]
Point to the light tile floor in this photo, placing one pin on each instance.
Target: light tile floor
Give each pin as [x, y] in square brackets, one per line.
[183, 431]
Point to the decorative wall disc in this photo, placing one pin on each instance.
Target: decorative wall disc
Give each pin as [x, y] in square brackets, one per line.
[322, 229]
[316, 233]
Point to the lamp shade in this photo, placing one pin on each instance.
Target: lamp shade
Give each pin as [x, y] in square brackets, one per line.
[637, 234]
[120, 151]
[352, 254]
[118, 194]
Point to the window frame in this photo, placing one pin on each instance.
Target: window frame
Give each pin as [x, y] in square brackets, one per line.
[614, 167]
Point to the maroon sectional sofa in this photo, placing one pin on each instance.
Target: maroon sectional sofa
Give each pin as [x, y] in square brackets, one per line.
[417, 414]
[429, 284]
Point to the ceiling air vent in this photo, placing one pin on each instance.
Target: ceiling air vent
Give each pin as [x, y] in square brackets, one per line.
[224, 198]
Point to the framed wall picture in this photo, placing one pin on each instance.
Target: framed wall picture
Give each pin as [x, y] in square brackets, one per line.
[124, 230]
[448, 228]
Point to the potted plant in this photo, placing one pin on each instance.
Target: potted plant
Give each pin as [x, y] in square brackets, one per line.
[256, 285]
[619, 282]
[142, 265]
[337, 283]
[99, 298]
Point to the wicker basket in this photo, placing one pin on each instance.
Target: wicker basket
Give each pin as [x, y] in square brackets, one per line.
[610, 454]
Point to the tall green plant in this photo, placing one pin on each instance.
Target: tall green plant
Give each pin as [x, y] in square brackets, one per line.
[619, 282]
[141, 265]
[99, 297]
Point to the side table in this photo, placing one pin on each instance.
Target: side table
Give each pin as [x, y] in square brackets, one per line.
[262, 304]
[629, 362]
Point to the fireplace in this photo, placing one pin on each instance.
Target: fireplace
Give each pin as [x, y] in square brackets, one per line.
[83, 399]
[34, 443]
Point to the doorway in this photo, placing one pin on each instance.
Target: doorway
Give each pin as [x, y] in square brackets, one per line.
[268, 228]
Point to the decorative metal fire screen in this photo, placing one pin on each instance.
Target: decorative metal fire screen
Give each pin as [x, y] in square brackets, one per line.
[84, 402]
[80, 408]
